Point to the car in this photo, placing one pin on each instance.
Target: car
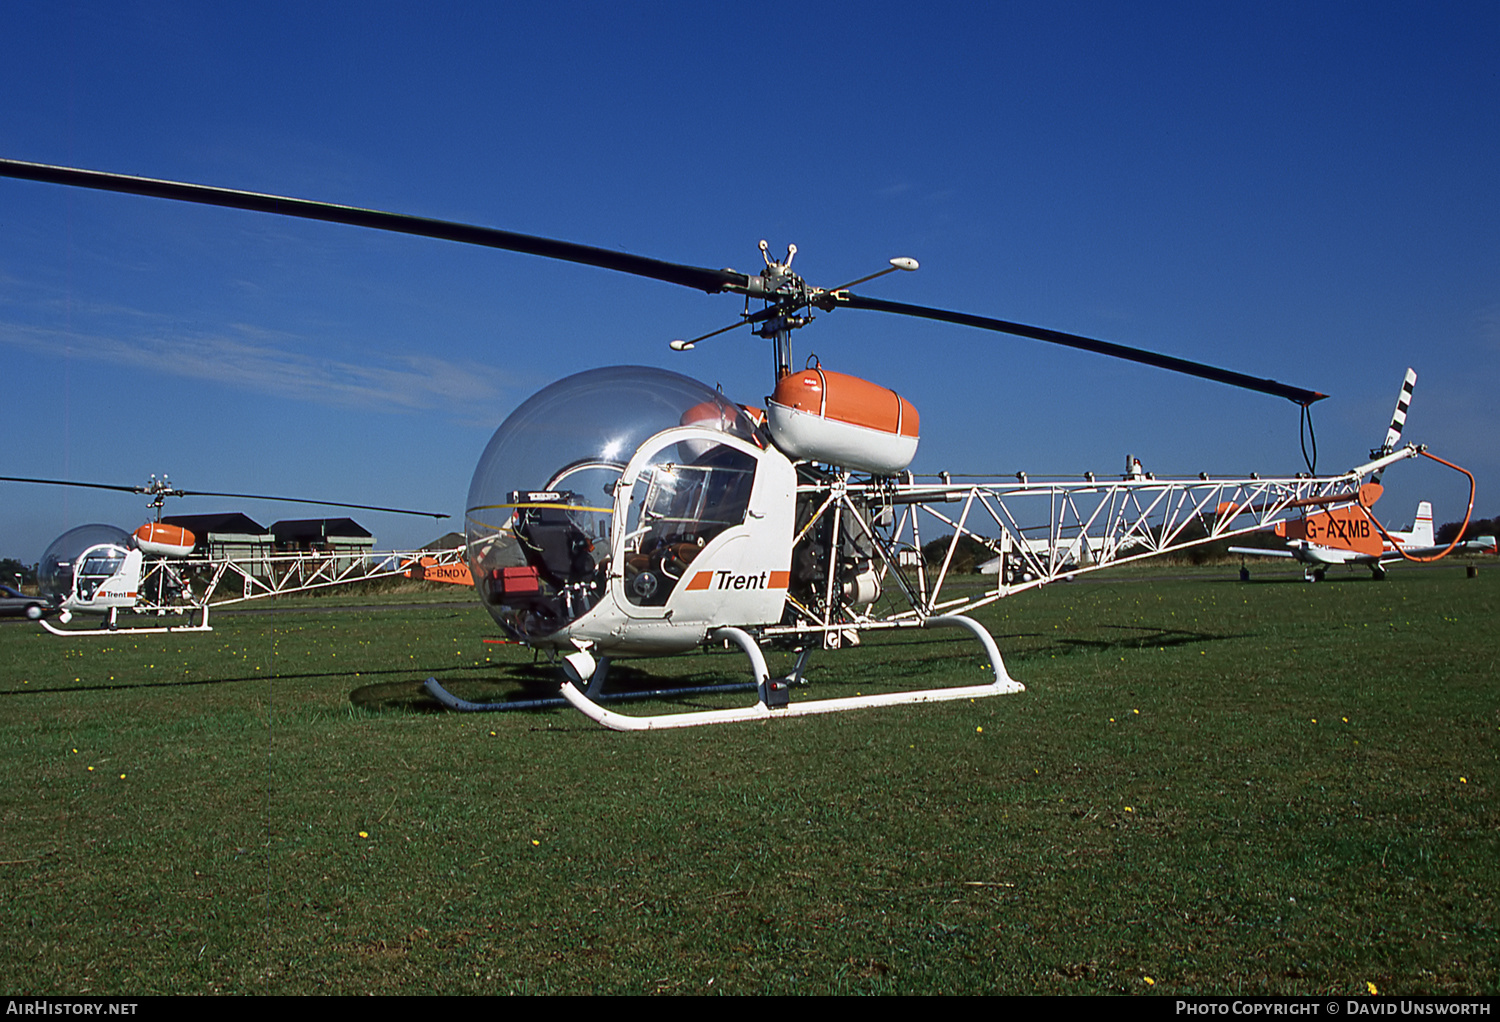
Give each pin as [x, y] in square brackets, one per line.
[13, 601]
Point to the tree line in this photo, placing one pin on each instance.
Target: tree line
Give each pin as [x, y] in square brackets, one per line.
[1477, 527]
[10, 568]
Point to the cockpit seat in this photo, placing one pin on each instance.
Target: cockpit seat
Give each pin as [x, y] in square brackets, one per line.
[554, 544]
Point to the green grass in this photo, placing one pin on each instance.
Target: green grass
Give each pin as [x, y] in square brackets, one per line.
[1264, 788]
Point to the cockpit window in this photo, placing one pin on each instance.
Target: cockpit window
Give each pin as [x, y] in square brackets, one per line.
[102, 563]
[676, 509]
[98, 566]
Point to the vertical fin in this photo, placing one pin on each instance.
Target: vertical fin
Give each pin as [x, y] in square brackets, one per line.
[1421, 528]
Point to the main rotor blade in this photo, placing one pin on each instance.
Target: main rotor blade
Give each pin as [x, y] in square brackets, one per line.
[697, 277]
[69, 482]
[1036, 333]
[299, 500]
[174, 492]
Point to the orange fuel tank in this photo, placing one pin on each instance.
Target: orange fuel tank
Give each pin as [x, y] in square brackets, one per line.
[842, 420]
[164, 540]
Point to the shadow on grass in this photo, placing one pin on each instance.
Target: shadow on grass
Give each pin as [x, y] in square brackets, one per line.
[519, 684]
[1168, 638]
[919, 658]
[1346, 574]
[698, 675]
[200, 682]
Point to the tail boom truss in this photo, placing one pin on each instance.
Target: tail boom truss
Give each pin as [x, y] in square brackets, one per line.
[1040, 530]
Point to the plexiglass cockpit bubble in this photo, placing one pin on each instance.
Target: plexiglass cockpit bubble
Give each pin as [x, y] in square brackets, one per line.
[541, 506]
[106, 546]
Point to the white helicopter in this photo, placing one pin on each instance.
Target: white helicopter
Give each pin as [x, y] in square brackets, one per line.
[101, 570]
[632, 511]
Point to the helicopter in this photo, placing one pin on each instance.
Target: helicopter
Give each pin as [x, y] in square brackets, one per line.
[159, 571]
[634, 511]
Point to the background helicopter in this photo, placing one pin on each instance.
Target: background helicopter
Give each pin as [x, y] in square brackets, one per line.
[160, 570]
[635, 511]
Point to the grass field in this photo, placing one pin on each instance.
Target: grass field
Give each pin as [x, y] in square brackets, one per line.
[1208, 787]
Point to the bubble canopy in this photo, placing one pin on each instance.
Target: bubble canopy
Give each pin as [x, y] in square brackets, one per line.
[55, 574]
[558, 457]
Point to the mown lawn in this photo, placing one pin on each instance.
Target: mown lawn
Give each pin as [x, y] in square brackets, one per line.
[1208, 787]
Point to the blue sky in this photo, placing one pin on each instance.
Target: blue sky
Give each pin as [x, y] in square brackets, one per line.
[1302, 191]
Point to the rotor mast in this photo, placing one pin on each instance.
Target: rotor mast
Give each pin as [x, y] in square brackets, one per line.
[778, 279]
[792, 301]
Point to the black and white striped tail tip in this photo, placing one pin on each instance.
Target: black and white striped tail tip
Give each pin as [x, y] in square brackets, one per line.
[1398, 421]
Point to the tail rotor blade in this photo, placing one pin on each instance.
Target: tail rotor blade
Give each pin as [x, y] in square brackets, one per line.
[1398, 419]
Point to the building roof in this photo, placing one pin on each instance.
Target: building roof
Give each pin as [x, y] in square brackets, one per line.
[226, 523]
[319, 529]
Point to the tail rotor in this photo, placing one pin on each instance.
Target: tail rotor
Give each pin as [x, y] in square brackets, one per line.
[1398, 420]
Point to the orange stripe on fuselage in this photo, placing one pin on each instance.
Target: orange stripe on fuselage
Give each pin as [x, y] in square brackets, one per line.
[774, 580]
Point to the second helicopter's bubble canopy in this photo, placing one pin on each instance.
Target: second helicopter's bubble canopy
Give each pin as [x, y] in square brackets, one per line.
[55, 573]
[547, 479]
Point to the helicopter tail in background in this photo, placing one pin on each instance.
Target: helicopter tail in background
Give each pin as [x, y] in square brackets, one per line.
[430, 569]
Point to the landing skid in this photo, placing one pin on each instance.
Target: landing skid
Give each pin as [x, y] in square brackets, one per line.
[112, 629]
[775, 695]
